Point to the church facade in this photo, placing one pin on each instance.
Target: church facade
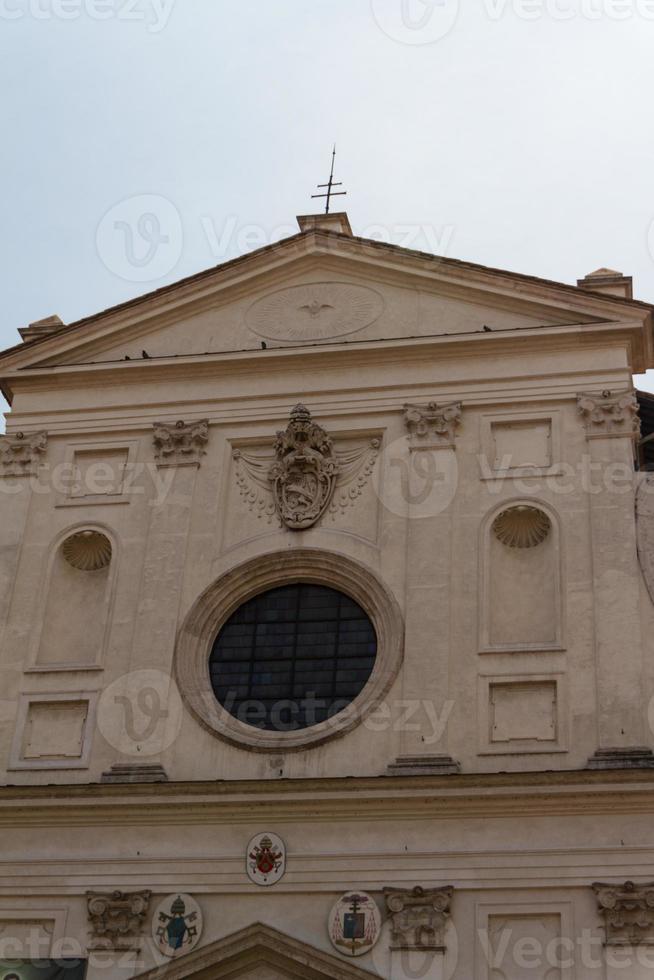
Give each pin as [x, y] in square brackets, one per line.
[327, 626]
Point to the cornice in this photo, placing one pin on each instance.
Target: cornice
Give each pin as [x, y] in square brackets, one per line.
[368, 404]
[468, 281]
[378, 799]
[364, 353]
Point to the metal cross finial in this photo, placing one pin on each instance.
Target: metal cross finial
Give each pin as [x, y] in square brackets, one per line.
[330, 184]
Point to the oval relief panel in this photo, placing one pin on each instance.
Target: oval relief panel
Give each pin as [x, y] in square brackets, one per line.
[314, 311]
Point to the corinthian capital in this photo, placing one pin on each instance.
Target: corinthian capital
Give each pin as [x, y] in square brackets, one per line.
[116, 918]
[21, 454]
[181, 444]
[610, 414]
[432, 426]
[418, 917]
[628, 912]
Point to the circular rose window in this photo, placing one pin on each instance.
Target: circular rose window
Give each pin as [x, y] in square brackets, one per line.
[293, 657]
[289, 649]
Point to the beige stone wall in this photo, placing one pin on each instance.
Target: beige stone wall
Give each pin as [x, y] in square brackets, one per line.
[515, 660]
[477, 656]
[521, 858]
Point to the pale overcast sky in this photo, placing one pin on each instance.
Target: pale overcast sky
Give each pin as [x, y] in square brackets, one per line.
[515, 133]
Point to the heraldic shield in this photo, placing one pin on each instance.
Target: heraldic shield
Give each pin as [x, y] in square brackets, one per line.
[304, 475]
[266, 859]
[354, 924]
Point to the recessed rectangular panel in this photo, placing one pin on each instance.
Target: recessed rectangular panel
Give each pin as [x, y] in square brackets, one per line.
[55, 730]
[522, 444]
[98, 472]
[525, 947]
[525, 711]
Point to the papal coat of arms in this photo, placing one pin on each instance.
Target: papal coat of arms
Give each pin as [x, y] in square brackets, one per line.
[177, 925]
[354, 924]
[266, 859]
[304, 475]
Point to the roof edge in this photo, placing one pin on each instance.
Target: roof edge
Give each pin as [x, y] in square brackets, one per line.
[325, 235]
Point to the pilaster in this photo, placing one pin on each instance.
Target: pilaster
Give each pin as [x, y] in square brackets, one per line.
[430, 483]
[612, 426]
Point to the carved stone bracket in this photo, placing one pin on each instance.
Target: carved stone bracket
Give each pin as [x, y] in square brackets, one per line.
[432, 426]
[611, 414]
[117, 918]
[304, 475]
[628, 912]
[21, 454]
[181, 444]
[418, 917]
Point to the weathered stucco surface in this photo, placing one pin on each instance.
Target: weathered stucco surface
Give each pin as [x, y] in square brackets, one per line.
[518, 663]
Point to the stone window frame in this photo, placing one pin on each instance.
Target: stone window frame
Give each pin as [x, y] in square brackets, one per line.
[248, 579]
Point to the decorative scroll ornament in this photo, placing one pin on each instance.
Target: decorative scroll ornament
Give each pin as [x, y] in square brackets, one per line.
[181, 444]
[88, 551]
[418, 917]
[432, 426]
[177, 925]
[610, 414]
[628, 912]
[522, 527]
[355, 467]
[354, 924]
[117, 918]
[266, 859]
[21, 454]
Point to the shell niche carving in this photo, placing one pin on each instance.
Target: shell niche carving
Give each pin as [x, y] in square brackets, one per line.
[88, 551]
[522, 527]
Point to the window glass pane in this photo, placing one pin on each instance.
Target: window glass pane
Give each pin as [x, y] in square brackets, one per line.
[292, 657]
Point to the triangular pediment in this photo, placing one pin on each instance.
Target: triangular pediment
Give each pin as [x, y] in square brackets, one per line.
[318, 288]
[258, 953]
